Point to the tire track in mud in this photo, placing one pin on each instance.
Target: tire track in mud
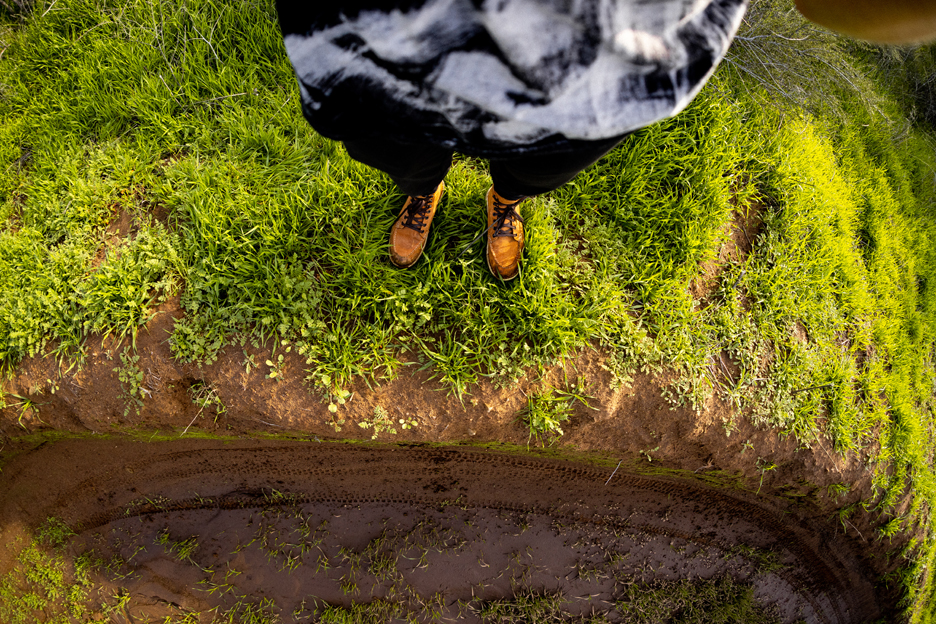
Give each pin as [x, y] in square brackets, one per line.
[822, 565]
[261, 500]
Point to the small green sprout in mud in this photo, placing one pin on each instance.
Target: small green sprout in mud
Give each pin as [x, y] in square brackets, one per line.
[764, 466]
[766, 561]
[380, 610]
[523, 607]
[181, 549]
[383, 423]
[348, 587]
[647, 453]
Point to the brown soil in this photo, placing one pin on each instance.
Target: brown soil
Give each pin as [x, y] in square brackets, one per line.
[490, 524]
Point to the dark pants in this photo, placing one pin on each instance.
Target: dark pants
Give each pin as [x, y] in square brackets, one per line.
[418, 169]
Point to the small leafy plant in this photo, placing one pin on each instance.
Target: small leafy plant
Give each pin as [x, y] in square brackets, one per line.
[546, 410]
[336, 396]
[205, 396]
[276, 368]
[340, 397]
[764, 466]
[27, 407]
[544, 414]
[648, 453]
[383, 423]
[131, 381]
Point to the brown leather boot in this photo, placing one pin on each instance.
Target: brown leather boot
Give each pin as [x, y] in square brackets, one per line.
[411, 229]
[504, 236]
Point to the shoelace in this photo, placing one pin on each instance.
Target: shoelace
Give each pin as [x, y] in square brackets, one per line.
[417, 212]
[501, 212]
[504, 215]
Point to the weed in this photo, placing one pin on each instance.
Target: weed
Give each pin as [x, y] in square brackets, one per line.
[54, 533]
[44, 579]
[383, 423]
[348, 587]
[547, 409]
[525, 606]
[340, 397]
[891, 528]
[243, 612]
[378, 610]
[544, 413]
[276, 368]
[336, 422]
[205, 396]
[766, 561]
[837, 490]
[28, 408]
[576, 392]
[180, 549]
[249, 362]
[131, 380]
[647, 453]
[336, 396]
[763, 467]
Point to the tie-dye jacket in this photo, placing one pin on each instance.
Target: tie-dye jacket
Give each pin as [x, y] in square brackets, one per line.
[501, 77]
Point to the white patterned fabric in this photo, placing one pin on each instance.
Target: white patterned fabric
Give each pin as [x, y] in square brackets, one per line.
[502, 77]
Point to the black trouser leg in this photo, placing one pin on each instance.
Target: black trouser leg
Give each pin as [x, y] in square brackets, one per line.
[524, 176]
[416, 169]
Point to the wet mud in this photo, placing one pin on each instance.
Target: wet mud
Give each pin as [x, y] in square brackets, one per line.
[294, 529]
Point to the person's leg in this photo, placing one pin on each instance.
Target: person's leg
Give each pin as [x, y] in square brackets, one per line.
[415, 169]
[520, 177]
[525, 176]
[418, 171]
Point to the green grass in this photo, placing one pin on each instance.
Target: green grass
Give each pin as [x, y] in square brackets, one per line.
[274, 234]
[544, 414]
[46, 581]
[548, 408]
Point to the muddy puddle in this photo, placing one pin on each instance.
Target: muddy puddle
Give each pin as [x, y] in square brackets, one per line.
[254, 531]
